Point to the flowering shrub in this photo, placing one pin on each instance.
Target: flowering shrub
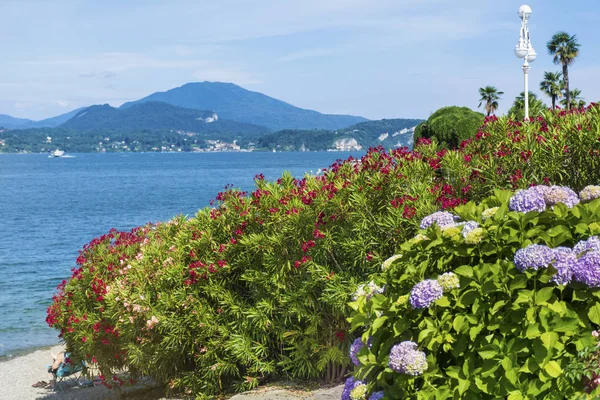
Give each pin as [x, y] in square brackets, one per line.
[256, 286]
[511, 316]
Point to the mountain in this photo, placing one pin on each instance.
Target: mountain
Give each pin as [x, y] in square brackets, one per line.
[9, 122]
[235, 103]
[52, 122]
[388, 133]
[6, 121]
[155, 115]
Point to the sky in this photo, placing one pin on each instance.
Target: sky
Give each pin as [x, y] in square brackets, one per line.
[373, 58]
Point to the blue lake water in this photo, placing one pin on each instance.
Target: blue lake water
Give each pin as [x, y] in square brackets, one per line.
[51, 207]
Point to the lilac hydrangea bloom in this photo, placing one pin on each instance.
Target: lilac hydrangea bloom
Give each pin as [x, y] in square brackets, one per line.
[564, 262]
[441, 218]
[468, 227]
[531, 199]
[561, 194]
[424, 293]
[534, 256]
[406, 359]
[587, 269]
[376, 395]
[591, 244]
[354, 349]
[350, 384]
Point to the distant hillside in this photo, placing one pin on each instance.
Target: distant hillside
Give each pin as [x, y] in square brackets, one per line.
[156, 116]
[51, 122]
[387, 132]
[235, 103]
[6, 121]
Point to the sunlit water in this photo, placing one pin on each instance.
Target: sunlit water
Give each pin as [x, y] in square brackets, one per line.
[51, 207]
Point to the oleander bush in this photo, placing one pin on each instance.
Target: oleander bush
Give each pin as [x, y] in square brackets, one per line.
[256, 286]
[499, 299]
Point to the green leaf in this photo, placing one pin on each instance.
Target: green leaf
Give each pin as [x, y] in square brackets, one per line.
[594, 314]
[543, 295]
[464, 270]
[553, 369]
[488, 351]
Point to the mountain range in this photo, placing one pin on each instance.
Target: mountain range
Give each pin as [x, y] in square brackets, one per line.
[228, 101]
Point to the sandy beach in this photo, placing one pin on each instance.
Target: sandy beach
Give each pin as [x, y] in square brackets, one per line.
[18, 374]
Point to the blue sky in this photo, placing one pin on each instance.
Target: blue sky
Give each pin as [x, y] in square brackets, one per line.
[375, 58]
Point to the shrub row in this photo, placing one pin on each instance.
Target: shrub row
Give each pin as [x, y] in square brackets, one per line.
[256, 285]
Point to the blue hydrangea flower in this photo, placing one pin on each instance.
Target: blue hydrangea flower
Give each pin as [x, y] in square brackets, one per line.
[589, 193]
[376, 395]
[350, 384]
[424, 293]
[564, 262]
[468, 227]
[591, 244]
[587, 269]
[561, 194]
[534, 256]
[406, 359]
[531, 199]
[440, 218]
[354, 349]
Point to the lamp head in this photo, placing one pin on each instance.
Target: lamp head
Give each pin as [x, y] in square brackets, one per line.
[520, 50]
[524, 12]
[531, 54]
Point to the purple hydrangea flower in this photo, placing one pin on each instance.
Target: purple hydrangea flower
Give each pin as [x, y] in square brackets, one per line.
[591, 244]
[561, 194]
[587, 269]
[542, 189]
[564, 262]
[406, 359]
[441, 218]
[350, 384]
[531, 199]
[468, 227]
[376, 395]
[424, 293]
[354, 349]
[534, 256]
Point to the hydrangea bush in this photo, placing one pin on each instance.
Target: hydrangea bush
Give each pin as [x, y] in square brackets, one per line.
[513, 315]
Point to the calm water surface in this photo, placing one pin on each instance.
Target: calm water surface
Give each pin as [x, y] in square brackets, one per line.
[51, 207]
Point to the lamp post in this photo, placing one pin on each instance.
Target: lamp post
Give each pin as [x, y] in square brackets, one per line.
[524, 50]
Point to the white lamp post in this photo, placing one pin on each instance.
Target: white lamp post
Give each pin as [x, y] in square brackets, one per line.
[524, 50]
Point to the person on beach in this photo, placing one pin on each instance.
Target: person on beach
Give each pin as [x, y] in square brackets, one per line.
[58, 359]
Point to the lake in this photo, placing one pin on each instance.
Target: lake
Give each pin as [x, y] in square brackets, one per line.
[51, 207]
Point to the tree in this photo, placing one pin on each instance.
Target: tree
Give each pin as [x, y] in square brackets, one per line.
[489, 96]
[449, 126]
[552, 86]
[565, 49]
[576, 100]
[536, 106]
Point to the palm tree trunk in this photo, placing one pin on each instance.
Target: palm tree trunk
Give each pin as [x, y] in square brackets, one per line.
[566, 80]
[553, 102]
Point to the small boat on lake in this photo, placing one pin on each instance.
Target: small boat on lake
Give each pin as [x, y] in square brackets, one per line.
[57, 153]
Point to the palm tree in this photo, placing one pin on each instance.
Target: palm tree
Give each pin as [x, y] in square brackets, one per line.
[565, 49]
[552, 86]
[489, 96]
[576, 100]
[536, 106]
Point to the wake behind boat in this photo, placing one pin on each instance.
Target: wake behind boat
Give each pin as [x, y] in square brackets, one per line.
[59, 154]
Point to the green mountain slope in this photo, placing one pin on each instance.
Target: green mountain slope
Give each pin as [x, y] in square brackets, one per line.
[235, 103]
[6, 121]
[156, 116]
[388, 133]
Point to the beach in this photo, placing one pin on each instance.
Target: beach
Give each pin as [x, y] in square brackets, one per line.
[17, 375]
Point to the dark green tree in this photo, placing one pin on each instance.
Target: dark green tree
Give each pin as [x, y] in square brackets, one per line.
[536, 106]
[450, 125]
